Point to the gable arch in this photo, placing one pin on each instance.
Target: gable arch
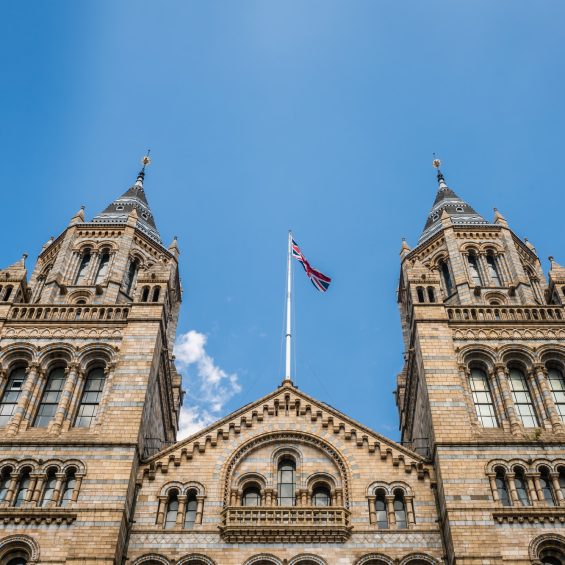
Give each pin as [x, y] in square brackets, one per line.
[287, 438]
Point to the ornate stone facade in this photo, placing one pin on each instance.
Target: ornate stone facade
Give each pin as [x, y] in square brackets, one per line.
[90, 472]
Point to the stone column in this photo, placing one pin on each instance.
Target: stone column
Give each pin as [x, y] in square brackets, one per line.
[61, 477]
[74, 399]
[268, 497]
[76, 490]
[31, 489]
[515, 424]
[539, 493]
[180, 513]
[199, 508]
[532, 488]
[483, 269]
[512, 489]
[389, 498]
[409, 502]
[39, 482]
[547, 398]
[557, 489]
[372, 509]
[66, 395]
[33, 374]
[492, 481]
[235, 499]
[161, 510]
[497, 399]
[339, 496]
[464, 374]
[10, 495]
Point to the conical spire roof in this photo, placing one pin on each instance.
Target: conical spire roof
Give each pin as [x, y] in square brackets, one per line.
[455, 207]
[133, 199]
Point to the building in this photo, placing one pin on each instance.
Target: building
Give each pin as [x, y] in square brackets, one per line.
[90, 472]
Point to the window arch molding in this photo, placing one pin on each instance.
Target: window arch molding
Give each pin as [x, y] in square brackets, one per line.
[250, 479]
[153, 557]
[478, 357]
[292, 453]
[18, 355]
[415, 557]
[545, 542]
[366, 559]
[194, 487]
[195, 558]
[400, 486]
[268, 557]
[7, 464]
[56, 355]
[95, 356]
[307, 557]
[174, 487]
[288, 437]
[491, 466]
[325, 479]
[376, 486]
[21, 542]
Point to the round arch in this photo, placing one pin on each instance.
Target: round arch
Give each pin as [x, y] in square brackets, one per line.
[264, 558]
[417, 558]
[23, 543]
[546, 545]
[195, 559]
[375, 559]
[307, 558]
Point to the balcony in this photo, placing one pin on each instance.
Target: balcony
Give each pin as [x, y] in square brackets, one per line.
[304, 524]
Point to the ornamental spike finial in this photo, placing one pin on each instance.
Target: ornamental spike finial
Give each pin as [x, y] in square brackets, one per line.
[436, 164]
[145, 161]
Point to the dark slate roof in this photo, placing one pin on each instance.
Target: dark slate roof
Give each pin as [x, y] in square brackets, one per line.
[460, 212]
[119, 210]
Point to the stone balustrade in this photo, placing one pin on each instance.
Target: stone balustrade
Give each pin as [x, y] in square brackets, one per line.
[505, 313]
[39, 313]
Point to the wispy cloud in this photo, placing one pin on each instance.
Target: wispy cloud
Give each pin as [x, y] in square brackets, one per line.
[208, 386]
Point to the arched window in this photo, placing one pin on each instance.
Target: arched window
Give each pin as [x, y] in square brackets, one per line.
[49, 489]
[474, 269]
[11, 394]
[131, 275]
[550, 560]
[446, 276]
[557, 384]
[522, 398]
[380, 507]
[103, 267]
[502, 487]
[23, 487]
[8, 293]
[321, 496]
[172, 510]
[420, 293]
[5, 479]
[400, 510]
[17, 557]
[50, 397]
[545, 485]
[90, 399]
[190, 513]
[156, 293]
[145, 294]
[493, 269]
[521, 486]
[251, 496]
[69, 488]
[482, 398]
[83, 267]
[286, 482]
[431, 294]
[561, 480]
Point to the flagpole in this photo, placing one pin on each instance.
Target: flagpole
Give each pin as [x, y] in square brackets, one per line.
[288, 337]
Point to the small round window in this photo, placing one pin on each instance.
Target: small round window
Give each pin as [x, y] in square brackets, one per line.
[435, 217]
[119, 207]
[459, 209]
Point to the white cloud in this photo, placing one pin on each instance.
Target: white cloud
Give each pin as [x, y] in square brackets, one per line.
[208, 386]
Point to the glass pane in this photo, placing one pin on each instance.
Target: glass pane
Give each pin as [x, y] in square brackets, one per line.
[522, 398]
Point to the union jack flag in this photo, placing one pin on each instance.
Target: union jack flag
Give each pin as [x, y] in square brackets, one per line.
[319, 280]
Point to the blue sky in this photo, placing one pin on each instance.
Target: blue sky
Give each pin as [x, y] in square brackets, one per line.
[320, 116]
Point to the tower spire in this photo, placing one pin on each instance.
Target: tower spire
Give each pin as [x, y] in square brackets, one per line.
[447, 202]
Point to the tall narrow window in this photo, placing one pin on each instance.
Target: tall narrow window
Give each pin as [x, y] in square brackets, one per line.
[286, 486]
[8, 293]
[23, 487]
[5, 479]
[420, 293]
[90, 399]
[156, 293]
[521, 486]
[190, 513]
[446, 276]
[251, 496]
[482, 398]
[50, 397]
[380, 507]
[431, 294]
[130, 275]
[49, 490]
[11, 394]
[474, 269]
[83, 268]
[145, 294]
[561, 480]
[400, 510]
[493, 269]
[321, 496]
[103, 267]
[68, 488]
[546, 488]
[522, 398]
[557, 384]
[502, 487]
[172, 510]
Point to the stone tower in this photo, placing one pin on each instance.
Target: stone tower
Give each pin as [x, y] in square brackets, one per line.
[482, 392]
[88, 383]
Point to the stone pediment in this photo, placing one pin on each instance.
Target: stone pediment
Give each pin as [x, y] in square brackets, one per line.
[308, 415]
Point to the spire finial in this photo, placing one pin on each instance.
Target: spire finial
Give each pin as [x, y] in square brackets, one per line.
[436, 164]
[146, 160]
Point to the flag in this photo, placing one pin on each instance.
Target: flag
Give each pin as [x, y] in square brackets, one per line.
[319, 280]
